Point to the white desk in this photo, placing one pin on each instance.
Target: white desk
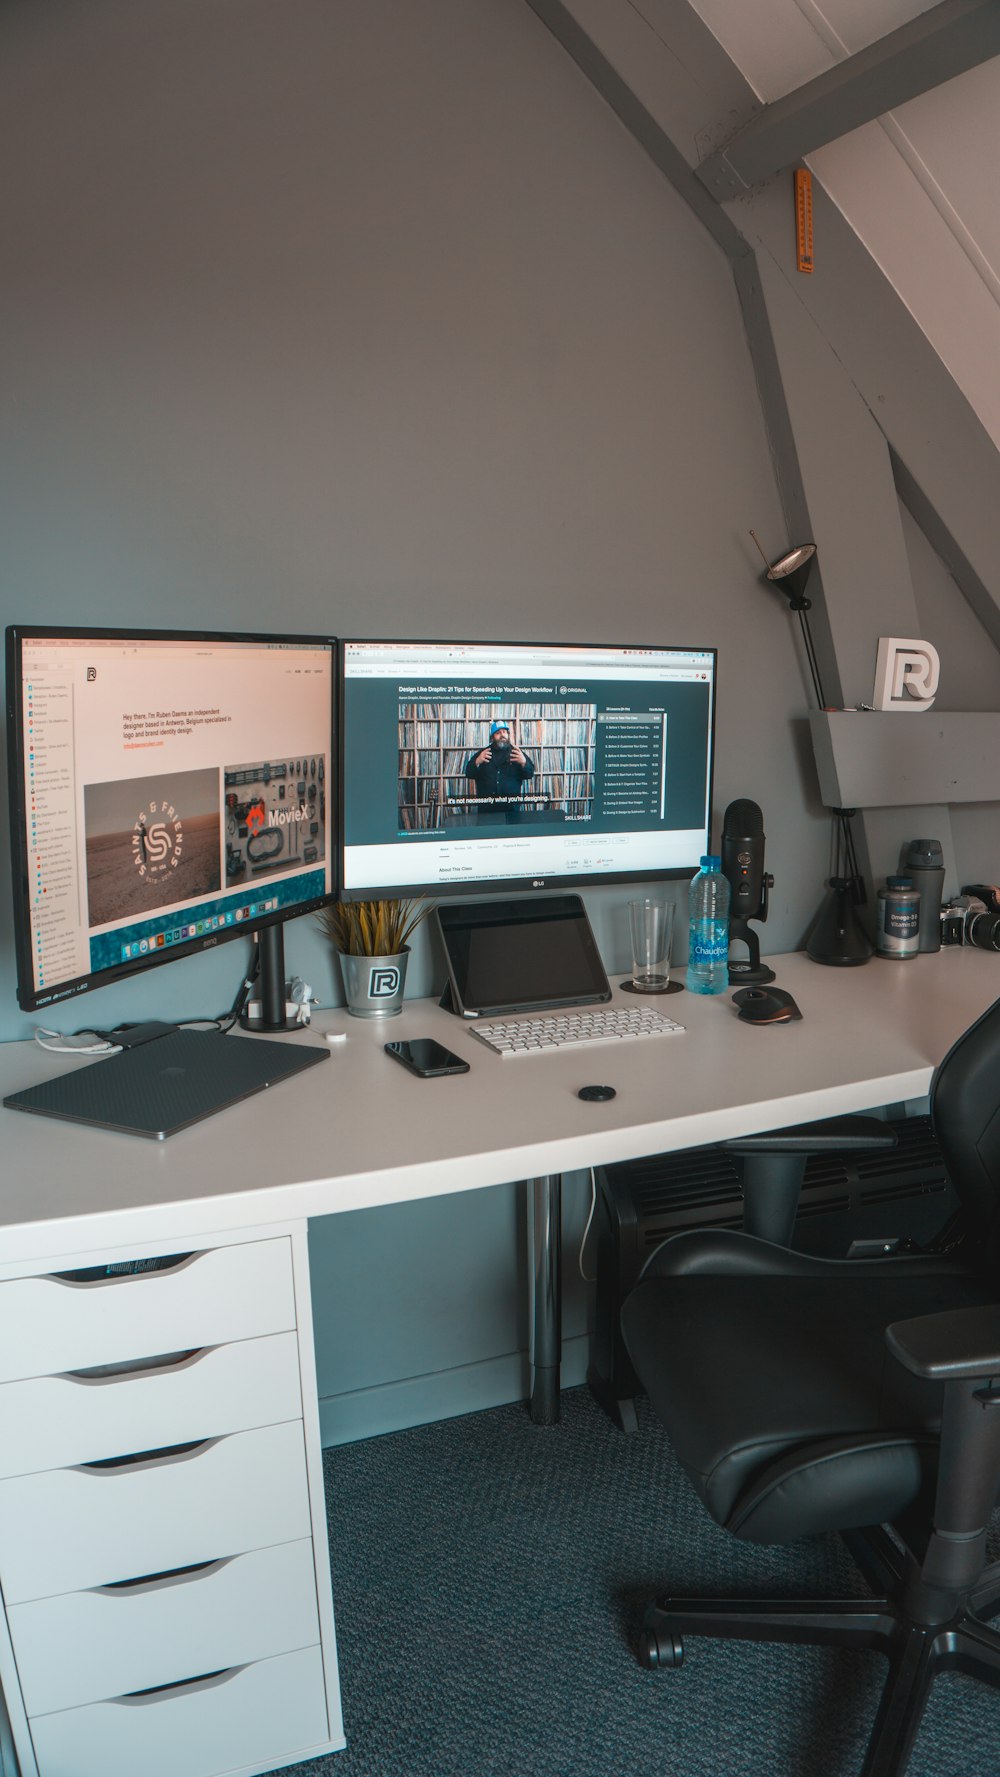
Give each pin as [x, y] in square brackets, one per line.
[237, 1192]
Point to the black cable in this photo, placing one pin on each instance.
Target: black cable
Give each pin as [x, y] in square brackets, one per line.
[228, 1019]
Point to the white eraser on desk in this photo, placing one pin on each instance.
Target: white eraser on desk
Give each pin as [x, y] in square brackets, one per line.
[336, 1036]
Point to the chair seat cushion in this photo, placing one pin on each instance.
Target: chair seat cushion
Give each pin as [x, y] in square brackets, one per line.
[781, 1398]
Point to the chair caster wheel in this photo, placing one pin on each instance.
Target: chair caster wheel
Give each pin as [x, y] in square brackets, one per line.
[660, 1650]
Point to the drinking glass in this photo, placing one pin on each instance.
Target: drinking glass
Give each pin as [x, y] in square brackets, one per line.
[651, 924]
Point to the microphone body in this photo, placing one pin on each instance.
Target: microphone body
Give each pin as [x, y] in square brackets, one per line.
[743, 865]
[743, 859]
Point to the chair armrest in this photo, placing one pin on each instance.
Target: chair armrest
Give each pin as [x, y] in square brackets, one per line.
[960, 1345]
[829, 1135]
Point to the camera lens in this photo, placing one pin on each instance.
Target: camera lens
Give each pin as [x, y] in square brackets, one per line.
[983, 930]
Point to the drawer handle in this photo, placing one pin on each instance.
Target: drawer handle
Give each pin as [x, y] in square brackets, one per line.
[121, 1270]
[170, 1576]
[179, 1687]
[136, 1458]
[137, 1367]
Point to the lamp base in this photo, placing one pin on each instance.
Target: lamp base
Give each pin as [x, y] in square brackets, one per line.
[837, 938]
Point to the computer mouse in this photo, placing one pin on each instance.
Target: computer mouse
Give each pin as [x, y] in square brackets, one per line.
[766, 1005]
[598, 1093]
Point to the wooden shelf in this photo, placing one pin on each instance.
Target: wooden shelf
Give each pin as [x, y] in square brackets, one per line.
[884, 759]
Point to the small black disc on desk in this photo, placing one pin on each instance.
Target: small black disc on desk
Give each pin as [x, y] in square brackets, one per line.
[651, 993]
[597, 1094]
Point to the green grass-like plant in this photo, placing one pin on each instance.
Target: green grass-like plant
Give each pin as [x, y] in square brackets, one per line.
[372, 928]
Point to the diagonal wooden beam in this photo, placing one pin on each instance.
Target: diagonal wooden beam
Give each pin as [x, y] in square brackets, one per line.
[948, 39]
[639, 121]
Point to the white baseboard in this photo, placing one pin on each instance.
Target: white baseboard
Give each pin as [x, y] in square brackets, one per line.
[394, 1406]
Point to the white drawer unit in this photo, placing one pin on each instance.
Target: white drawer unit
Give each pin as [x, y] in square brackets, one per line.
[57, 1322]
[51, 1422]
[88, 1646]
[163, 1556]
[91, 1526]
[252, 1716]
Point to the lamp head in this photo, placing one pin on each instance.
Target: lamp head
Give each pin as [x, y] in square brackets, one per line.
[790, 573]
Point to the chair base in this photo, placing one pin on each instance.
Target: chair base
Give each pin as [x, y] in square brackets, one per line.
[916, 1651]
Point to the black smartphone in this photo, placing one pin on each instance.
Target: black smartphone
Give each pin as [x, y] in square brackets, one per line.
[428, 1059]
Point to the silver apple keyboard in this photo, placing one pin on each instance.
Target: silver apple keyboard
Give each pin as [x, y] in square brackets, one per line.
[573, 1030]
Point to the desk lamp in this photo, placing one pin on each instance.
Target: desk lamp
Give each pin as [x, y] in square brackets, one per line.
[789, 574]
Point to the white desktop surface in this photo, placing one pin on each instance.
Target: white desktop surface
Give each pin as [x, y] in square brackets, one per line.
[366, 1132]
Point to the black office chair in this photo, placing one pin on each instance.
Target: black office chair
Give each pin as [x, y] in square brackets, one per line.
[805, 1395]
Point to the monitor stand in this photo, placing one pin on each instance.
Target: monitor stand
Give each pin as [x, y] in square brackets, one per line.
[270, 984]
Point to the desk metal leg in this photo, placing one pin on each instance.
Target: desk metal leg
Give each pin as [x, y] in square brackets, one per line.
[545, 1295]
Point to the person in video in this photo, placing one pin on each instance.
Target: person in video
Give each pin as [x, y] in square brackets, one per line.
[499, 772]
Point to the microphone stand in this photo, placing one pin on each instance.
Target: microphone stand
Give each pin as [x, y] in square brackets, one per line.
[752, 973]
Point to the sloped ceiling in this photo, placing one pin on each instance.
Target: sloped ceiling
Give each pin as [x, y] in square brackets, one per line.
[918, 186]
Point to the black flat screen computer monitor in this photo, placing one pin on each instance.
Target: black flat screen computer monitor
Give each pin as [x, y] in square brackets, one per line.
[168, 791]
[474, 765]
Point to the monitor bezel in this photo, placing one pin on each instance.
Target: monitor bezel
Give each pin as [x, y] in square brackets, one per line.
[482, 887]
[16, 635]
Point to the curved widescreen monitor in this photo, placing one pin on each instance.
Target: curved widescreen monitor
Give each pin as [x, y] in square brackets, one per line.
[168, 791]
[473, 765]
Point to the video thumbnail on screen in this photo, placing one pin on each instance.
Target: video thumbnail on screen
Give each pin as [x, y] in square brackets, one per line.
[465, 764]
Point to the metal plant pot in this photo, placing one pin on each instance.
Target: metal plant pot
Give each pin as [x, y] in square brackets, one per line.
[373, 985]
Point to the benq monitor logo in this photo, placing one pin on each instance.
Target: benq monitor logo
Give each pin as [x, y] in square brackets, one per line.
[906, 674]
[383, 983]
[157, 839]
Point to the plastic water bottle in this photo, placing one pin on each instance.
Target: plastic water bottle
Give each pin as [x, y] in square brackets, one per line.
[708, 939]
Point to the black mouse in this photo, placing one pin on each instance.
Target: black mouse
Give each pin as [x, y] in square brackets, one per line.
[597, 1092]
[766, 1005]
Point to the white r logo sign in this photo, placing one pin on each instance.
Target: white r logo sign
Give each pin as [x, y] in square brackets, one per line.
[906, 674]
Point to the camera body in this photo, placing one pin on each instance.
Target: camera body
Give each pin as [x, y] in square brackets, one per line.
[973, 917]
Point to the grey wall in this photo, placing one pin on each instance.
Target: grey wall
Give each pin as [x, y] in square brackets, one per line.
[371, 317]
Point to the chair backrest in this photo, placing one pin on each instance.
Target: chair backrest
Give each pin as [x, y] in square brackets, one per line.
[965, 1108]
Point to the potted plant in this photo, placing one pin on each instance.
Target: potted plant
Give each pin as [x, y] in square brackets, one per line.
[372, 938]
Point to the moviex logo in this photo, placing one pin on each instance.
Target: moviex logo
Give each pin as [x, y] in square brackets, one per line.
[906, 674]
[383, 982]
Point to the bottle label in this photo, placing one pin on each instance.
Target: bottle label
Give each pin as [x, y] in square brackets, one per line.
[898, 925]
[709, 942]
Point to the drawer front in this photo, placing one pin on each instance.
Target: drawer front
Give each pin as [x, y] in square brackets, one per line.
[92, 1645]
[71, 1528]
[48, 1324]
[50, 1422]
[253, 1716]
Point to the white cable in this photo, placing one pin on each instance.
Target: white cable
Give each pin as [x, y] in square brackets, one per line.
[586, 1231]
[85, 1042]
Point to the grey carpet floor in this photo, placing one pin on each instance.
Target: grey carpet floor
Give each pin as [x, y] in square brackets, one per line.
[489, 1576]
